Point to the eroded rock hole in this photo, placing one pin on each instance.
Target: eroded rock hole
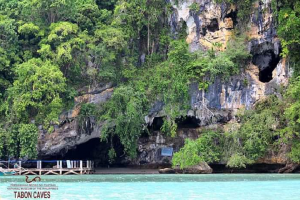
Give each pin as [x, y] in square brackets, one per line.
[188, 122]
[213, 26]
[156, 124]
[233, 16]
[266, 62]
[204, 31]
[183, 122]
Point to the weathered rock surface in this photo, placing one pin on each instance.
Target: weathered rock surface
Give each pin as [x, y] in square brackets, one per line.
[71, 131]
[290, 167]
[210, 24]
[149, 150]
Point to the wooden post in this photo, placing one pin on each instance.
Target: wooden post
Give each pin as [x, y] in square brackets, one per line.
[39, 164]
[81, 167]
[20, 168]
[40, 172]
[60, 167]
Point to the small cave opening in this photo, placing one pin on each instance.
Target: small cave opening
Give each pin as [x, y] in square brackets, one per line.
[213, 25]
[265, 75]
[203, 31]
[156, 124]
[233, 16]
[182, 122]
[188, 122]
[266, 62]
[95, 150]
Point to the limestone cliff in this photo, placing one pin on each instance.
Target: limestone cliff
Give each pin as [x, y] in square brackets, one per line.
[217, 106]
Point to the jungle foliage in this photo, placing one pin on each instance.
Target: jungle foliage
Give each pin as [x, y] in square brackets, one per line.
[49, 50]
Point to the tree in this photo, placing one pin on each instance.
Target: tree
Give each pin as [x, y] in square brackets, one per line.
[19, 141]
[8, 51]
[36, 91]
[204, 149]
[124, 117]
[289, 30]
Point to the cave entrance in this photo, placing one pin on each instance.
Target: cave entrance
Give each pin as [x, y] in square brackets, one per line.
[97, 151]
[213, 26]
[188, 122]
[265, 75]
[233, 16]
[266, 62]
[182, 122]
[156, 124]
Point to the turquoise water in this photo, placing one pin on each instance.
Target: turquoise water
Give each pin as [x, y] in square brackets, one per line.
[208, 187]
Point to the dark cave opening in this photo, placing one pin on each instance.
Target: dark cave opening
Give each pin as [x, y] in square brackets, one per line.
[156, 124]
[265, 75]
[183, 122]
[95, 150]
[204, 31]
[233, 16]
[266, 62]
[188, 122]
[213, 26]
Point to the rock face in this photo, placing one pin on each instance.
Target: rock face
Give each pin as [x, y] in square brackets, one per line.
[265, 75]
[212, 23]
[149, 151]
[72, 131]
[208, 24]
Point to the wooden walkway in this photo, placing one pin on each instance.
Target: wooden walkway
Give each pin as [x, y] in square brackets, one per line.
[61, 168]
[49, 171]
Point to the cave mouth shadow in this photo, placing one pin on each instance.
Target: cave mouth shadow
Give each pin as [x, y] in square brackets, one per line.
[182, 122]
[213, 25]
[265, 75]
[95, 150]
[266, 62]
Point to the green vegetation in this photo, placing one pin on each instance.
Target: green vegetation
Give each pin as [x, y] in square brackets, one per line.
[194, 7]
[205, 148]
[51, 49]
[288, 12]
[20, 141]
[275, 121]
[36, 92]
[123, 114]
[260, 130]
[244, 9]
[244, 143]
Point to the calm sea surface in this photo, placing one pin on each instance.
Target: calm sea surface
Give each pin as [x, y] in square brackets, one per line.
[208, 187]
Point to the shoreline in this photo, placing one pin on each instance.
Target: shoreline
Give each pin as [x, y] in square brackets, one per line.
[121, 170]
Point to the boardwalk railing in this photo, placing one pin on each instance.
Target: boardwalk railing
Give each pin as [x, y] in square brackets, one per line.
[47, 167]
